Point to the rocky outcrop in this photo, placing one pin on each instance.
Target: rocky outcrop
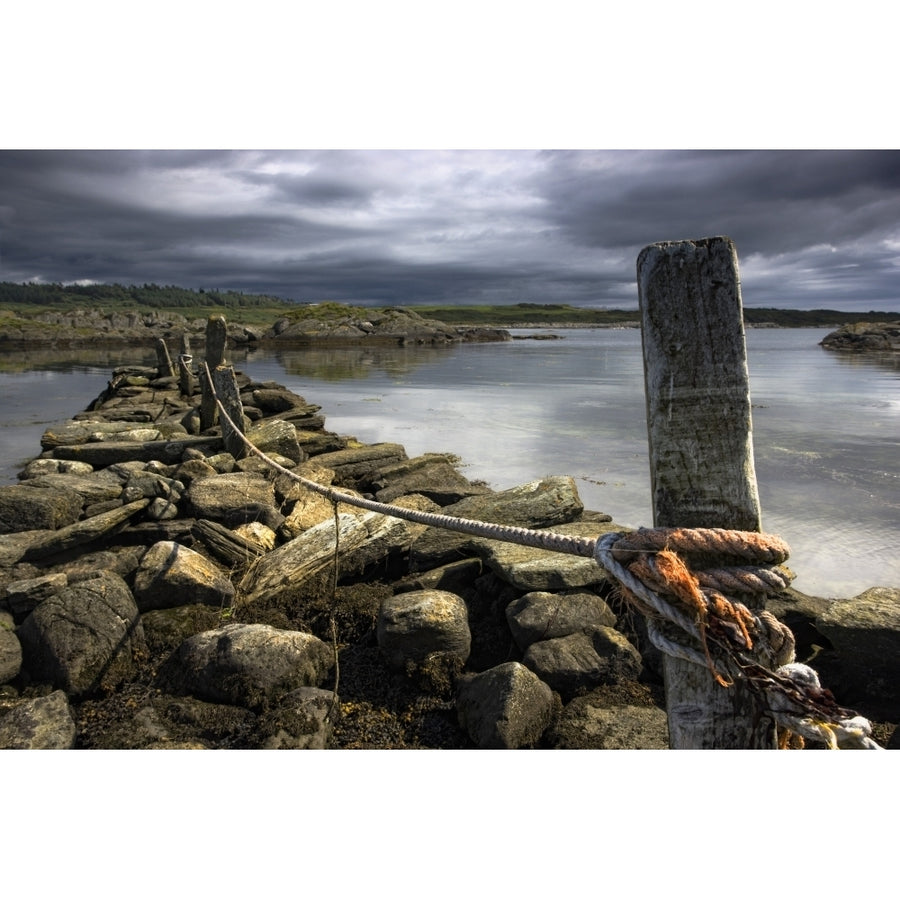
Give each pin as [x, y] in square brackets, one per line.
[96, 326]
[865, 337]
[158, 592]
[331, 323]
[339, 324]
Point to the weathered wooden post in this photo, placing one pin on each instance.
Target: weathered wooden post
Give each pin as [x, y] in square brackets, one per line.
[216, 334]
[226, 387]
[701, 450]
[185, 375]
[164, 367]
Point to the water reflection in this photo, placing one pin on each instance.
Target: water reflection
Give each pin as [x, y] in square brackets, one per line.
[107, 358]
[350, 363]
[889, 361]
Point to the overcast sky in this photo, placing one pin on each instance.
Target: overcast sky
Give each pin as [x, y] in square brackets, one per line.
[813, 229]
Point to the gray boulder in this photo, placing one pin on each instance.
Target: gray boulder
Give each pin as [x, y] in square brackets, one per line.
[109, 453]
[413, 626]
[24, 507]
[153, 485]
[170, 575]
[584, 660]
[10, 649]
[533, 569]
[43, 466]
[431, 475]
[233, 498]
[249, 665]
[538, 504]
[865, 633]
[273, 398]
[43, 723]
[86, 637]
[193, 468]
[592, 722]
[23, 596]
[166, 629]
[275, 437]
[303, 720]
[355, 466]
[504, 708]
[540, 615]
[97, 487]
[84, 532]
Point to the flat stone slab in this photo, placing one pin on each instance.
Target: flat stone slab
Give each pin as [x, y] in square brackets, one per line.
[83, 532]
[108, 453]
[533, 569]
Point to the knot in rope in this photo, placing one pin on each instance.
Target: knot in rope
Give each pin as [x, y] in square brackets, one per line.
[650, 564]
[733, 640]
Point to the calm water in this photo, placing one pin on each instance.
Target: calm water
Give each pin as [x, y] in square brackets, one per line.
[826, 427]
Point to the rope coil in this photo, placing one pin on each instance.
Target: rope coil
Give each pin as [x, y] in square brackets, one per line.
[732, 638]
[648, 568]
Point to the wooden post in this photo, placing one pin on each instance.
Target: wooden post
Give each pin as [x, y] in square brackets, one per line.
[185, 375]
[216, 333]
[227, 389]
[209, 412]
[164, 367]
[701, 450]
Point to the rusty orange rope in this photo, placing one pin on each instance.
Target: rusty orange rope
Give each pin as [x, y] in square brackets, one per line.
[732, 639]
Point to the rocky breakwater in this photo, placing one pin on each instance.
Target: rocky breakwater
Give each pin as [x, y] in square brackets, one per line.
[159, 591]
[865, 337]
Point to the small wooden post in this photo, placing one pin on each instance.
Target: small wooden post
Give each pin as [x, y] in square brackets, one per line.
[164, 367]
[185, 375]
[216, 333]
[701, 450]
[227, 389]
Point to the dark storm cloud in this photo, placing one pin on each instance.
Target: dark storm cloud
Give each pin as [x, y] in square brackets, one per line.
[813, 228]
[767, 201]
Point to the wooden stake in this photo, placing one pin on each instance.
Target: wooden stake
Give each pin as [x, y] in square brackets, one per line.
[701, 450]
[227, 390]
[164, 367]
[185, 375]
[216, 333]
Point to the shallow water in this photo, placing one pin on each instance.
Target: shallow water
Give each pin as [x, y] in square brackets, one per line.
[826, 432]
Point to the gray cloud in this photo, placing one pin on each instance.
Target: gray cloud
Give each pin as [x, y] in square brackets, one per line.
[813, 228]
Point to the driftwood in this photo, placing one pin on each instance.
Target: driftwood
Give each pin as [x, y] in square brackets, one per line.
[225, 544]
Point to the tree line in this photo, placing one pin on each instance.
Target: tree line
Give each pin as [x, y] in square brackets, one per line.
[152, 295]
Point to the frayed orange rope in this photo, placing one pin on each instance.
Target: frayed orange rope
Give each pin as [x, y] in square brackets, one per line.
[680, 581]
